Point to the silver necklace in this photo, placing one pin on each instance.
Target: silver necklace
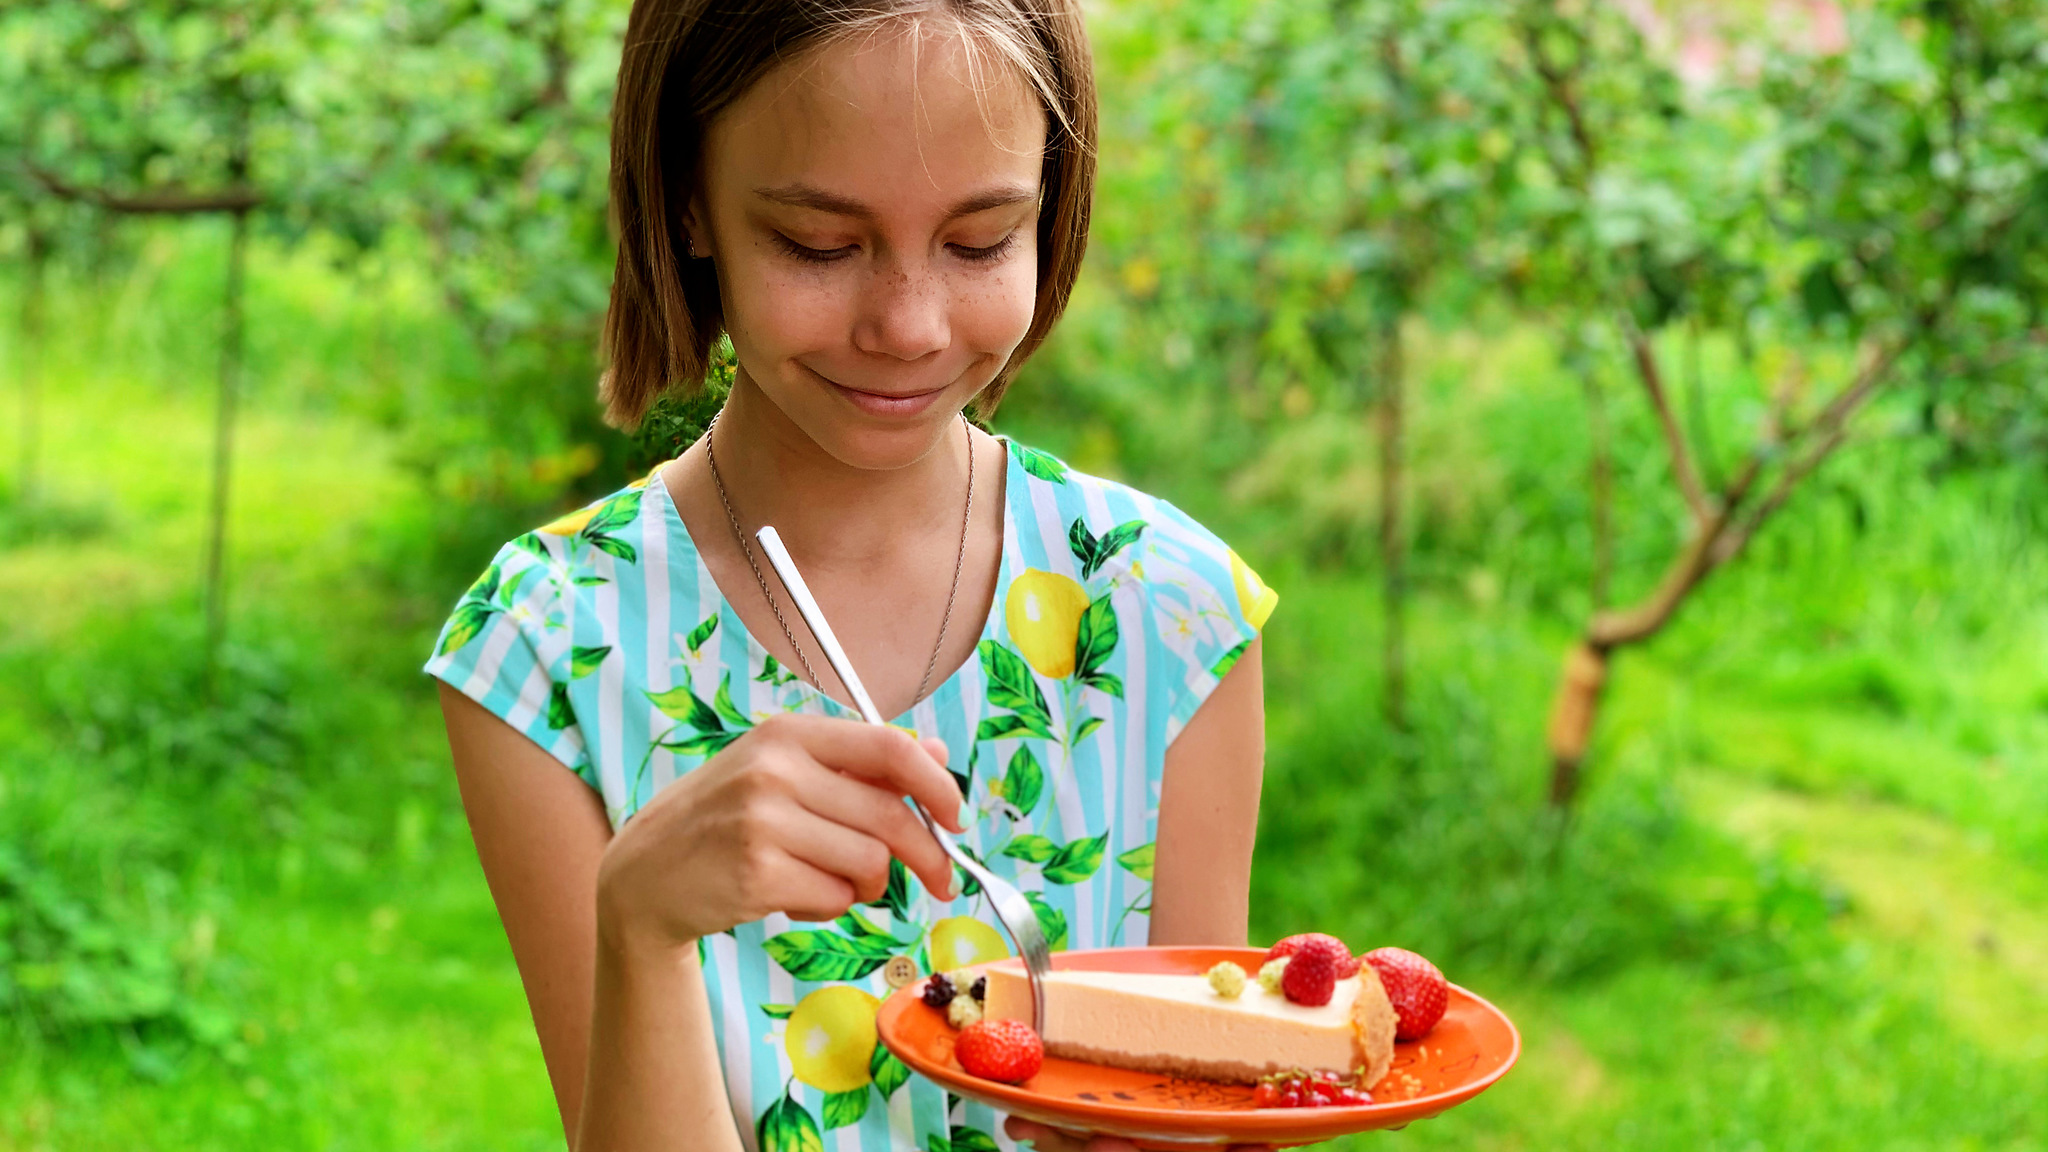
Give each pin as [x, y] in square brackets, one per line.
[739, 537]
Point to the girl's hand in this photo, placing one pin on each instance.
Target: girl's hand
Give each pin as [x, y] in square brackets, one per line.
[800, 815]
[1046, 1139]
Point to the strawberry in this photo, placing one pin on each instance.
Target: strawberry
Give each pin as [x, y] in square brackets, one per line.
[1291, 944]
[1414, 985]
[1311, 974]
[1006, 1050]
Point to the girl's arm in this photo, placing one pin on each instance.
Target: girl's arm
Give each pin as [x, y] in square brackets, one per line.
[1209, 814]
[638, 1006]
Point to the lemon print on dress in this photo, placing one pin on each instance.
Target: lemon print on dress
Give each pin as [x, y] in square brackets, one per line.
[572, 523]
[831, 1037]
[1254, 599]
[958, 941]
[1043, 610]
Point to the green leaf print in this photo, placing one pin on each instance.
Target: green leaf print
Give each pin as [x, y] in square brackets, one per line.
[1024, 782]
[937, 1143]
[973, 1140]
[560, 715]
[775, 1011]
[1228, 660]
[1138, 861]
[965, 780]
[1077, 861]
[845, 1108]
[822, 957]
[1030, 847]
[1040, 464]
[701, 633]
[590, 581]
[860, 927]
[613, 546]
[1082, 731]
[889, 1072]
[486, 585]
[723, 705]
[468, 619]
[786, 1127]
[773, 673]
[1093, 551]
[509, 590]
[531, 542]
[705, 744]
[679, 703]
[998, 727]
[1095, 639]
[1011, 685]
[1104, 682]
[584, 661]
[896, 898]
[617, 512]
[1051, 921]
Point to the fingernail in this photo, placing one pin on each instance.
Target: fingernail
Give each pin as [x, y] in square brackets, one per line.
[965, 816]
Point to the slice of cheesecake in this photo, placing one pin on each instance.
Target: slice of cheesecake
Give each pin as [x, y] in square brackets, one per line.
[1179, 1025]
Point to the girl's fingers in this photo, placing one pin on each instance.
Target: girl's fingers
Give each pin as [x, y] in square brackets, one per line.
[810, 893]
[1046, 1139]
[886, 757]
[858, 805]
[833, 847]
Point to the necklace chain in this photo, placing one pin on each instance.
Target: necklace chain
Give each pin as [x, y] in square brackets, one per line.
[740, 537]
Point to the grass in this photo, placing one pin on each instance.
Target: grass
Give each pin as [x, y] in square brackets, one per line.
[1800, 908]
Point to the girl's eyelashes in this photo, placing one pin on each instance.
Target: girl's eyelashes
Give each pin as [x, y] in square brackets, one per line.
[809, 255]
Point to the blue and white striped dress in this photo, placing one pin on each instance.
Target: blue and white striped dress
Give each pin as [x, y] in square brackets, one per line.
[603, 639]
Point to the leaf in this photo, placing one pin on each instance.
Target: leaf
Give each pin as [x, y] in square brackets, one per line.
[1077, 861]
[468, 620]
[1030, 847]
[772, 1011]
[705, 744]
[702, 632]
[1040, 464]
[859, 927]
[773, 673]
[896, 898]
[1051, 921]
[486, 585]
[786, 1127]
[1228, 660]
[1089, 725]
[613, 546]
[1112, 542]
[509, 590]
[1138, 861]
[821, 956]
[584, 661]
[845, 1108]
[1024, 781]
[560, 715]
[1010, 683]
[889, 1072]
[532, 542]
[998, 727]
[590, 581]
[722, 703]
[1082, 544]
[1096, 638]
[616, 513]
[1105, 682]
[679, 703]
[937, 1143]
[973, 1140]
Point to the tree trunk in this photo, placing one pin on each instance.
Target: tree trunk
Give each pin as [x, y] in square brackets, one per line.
[32, 329]
[223, 443]
[1393, 550]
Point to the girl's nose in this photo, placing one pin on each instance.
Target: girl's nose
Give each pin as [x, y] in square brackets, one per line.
[903, 314]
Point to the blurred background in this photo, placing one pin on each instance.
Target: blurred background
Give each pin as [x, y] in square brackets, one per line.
[1639, 405]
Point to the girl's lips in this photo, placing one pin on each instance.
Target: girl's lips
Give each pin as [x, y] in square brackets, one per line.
[879, 404]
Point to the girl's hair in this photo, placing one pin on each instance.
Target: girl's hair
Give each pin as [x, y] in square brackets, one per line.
[685, 61]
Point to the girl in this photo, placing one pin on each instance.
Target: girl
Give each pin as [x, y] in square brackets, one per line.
[883, 203]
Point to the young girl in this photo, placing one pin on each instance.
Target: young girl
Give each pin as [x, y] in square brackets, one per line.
[883, 203]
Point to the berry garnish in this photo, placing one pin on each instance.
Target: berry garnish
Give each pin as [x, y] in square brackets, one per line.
[1311, 973]
[939, 991]
[1227, 980]
[1299, 1089]
[1005, 1050]
[1292, 944]
[1415, 987]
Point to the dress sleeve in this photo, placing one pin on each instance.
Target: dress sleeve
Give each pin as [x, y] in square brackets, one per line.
[1208, 604]
[499, 647]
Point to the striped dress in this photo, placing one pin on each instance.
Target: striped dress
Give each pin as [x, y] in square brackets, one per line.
[603, 639]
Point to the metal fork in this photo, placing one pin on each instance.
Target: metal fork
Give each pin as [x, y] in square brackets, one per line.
[1011, 908]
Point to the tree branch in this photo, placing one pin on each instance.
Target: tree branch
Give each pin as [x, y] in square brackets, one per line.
[170, 201]
[1674, 437]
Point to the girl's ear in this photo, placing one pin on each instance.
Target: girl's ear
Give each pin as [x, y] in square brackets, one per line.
[696, 235]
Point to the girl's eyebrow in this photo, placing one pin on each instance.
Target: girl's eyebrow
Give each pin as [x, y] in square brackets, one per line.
[801, 195]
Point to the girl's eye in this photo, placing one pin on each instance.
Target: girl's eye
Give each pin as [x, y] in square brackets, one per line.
[988, 255]
[812, 255]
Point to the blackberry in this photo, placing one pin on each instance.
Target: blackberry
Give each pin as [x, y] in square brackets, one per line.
[939, 991]
[980, 989]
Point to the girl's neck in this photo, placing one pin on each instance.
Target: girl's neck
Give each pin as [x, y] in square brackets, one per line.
[827, 511]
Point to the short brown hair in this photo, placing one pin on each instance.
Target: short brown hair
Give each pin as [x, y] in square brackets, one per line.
[685, 61]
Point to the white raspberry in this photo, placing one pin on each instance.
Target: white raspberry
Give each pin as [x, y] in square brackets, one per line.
[1269, 975]
[1227, 979]
[964, 1010]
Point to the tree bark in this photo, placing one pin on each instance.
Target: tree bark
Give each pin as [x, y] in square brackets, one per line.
[223, 444]
[1393, 549]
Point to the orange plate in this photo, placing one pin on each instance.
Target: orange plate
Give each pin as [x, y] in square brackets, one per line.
[1465, 1053]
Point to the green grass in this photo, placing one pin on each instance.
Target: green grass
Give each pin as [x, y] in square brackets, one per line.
[1801, 906]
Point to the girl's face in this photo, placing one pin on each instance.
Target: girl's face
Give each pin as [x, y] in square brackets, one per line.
[874, 227]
